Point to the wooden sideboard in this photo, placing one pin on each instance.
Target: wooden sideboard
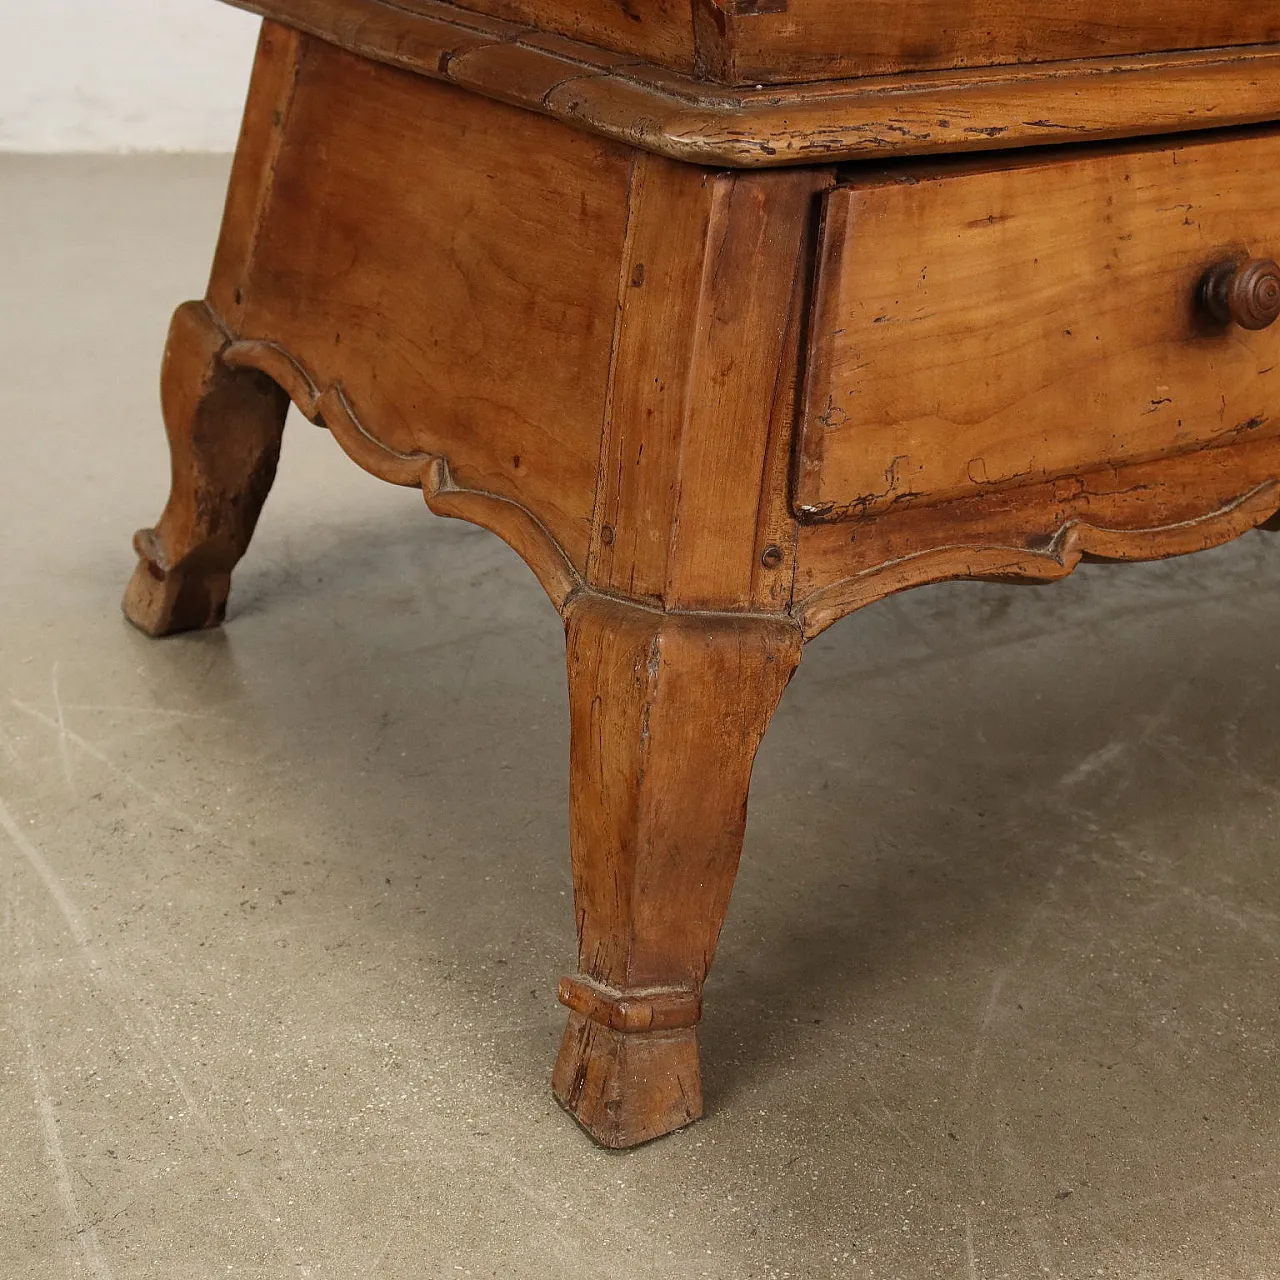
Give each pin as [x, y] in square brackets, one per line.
[739, 318]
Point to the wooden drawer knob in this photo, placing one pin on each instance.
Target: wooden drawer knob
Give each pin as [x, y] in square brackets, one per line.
[1247, 293]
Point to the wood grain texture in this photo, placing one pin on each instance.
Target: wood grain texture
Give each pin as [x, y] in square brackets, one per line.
[329, 407]
[687, 118]
[980, 328]
[820, 39]
[467, 312]
[658, 312]
[224, 427]
[660, 31]
[701, 360]
[271, 85]
[513, 522]
[666, 713]
[756, 249]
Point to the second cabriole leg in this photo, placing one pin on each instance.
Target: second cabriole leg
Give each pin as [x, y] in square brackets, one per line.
[224, 428]
[666, 714]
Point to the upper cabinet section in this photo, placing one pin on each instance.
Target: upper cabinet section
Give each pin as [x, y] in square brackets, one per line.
[758, 41]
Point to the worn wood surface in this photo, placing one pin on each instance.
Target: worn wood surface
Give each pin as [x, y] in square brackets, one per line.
[690, 119]
[659, 31]
[714, 270]
[666, 713]
[983, 327]
[473, 249]
[1146, 511]
[224, 427]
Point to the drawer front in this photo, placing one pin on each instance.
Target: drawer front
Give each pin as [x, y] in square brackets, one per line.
[984, 328]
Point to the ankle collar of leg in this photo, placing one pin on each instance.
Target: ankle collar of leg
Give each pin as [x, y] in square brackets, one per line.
[636, 1009]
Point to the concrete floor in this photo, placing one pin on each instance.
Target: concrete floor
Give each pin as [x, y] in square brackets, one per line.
[284, 905]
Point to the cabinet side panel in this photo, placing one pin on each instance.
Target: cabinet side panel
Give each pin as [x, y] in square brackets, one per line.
[451, 264]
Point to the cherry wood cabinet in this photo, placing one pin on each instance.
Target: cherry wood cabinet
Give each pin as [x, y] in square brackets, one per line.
[940, 292]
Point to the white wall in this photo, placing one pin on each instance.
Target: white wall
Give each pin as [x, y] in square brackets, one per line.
[122, 75]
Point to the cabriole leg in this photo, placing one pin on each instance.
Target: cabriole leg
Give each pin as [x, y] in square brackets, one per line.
[224, 427]
[666, 714]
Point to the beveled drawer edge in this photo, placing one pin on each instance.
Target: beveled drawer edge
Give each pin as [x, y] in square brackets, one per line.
[820, 122]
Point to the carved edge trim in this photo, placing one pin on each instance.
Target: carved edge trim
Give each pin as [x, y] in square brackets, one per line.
[680, 116]
[329, 407]
[516, 525]
[1075, 540]
[641, 1009]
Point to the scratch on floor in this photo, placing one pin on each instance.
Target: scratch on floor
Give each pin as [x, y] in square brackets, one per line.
[1039, 1248]
[36, 860]
[62, 729]
[7, 743]
[1263, 924]
[1030, 933]
[988, 1016]
[1153, 728]
[1210, 1186]
[1095, 762]
[156, 798]
[86, 1235]
[121, 992]
[177, 712]
[890, 1120]
[993, 999]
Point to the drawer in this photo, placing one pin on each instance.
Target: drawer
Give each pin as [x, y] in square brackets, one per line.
[978, 328]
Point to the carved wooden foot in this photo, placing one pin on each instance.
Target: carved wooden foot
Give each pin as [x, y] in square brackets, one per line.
[666, 713]
[224, 428]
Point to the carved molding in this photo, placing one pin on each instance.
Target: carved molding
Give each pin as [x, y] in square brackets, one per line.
[329, 407]
[1074, 541]
[516, 525]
